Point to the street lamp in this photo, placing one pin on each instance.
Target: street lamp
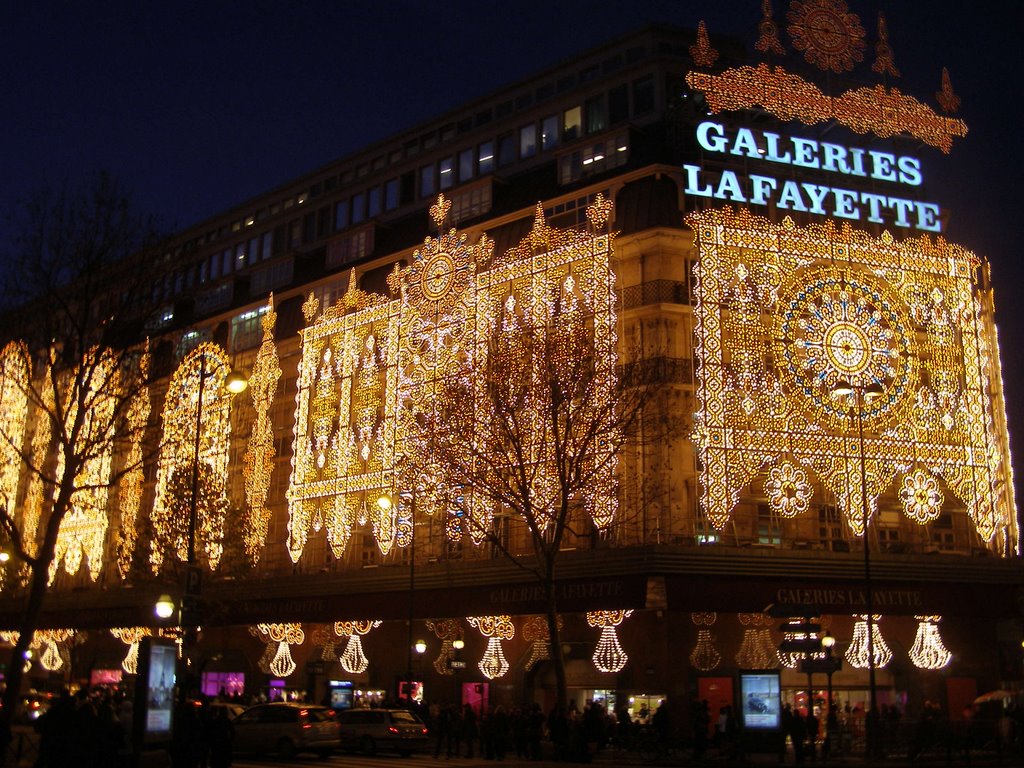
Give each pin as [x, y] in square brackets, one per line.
[860, 397]
[831, 721]
[386, 505]
[164, 607]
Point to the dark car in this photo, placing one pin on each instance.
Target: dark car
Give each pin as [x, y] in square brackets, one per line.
[285, 729]
[373, 730]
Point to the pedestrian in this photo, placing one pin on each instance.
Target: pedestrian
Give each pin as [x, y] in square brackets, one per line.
[813, 728]
[470, 732]
[220, 736]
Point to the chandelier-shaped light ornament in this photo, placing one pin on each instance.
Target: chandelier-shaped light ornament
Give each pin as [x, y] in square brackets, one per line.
[535, 632]
[752, 653]
[857, 653]
[447, 631]
[353, 659]
[495, 629]
[284, 635]
[282, 664]
[928, 650]
[131, 636]
[608, 656]
[704, 655]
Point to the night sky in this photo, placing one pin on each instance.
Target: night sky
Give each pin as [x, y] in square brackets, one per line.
[198, 106]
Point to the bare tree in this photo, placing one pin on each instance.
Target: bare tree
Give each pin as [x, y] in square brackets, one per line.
[535, 428]
[80, 288]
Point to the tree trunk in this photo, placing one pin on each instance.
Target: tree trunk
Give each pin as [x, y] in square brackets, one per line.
[557, 659]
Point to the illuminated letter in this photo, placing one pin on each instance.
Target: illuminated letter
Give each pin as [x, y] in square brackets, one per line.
[692, 174]
[805, 153]
[835, 159]
[910, 170]
[903, 208]
[845, 204]
[763, 186]
[790, 197]
[712, 143]
[817, 194]
[772, 145]
[928, 217]
[882, 165]
[745, 144]
[729, 188]
[875, 203]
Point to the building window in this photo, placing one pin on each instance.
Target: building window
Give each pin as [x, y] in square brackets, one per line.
[572, 121]
[271, 277]
[599, 156]
[506, 150]
[447, 172]
[341, 214]
[358, 208]
[528, 141]
[485, 157]
[369, 552]
[618, 104]
[189, 341]
[549, 132]
[240, 256]
[643, 96]
[427, 187]
[267, 246]
[391, 195]
[471, 203]
[247, 329]
[597, 116]
[373, 202]
[499, 535]
[465, 165]
[348, 248]
[769, 532]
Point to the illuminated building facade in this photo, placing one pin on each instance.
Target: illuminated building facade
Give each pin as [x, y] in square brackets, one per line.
[693, 206]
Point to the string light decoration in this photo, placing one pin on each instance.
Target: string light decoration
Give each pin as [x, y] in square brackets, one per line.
[753, 653]
[33, 508]
[352, 658]
[836, 304]
[787, 490]
[857, 653]
[15, 373]
[259, 455]
[884, 64]
[447, 631]
[177, 458]
[495, 629]
[830, 37]
[84, 529]
[131, 636]
[928, 650]
[885, 112]
[704, 655]
[768, 32]
[536, 633]
[130, 488]
[47, 645]
[947, 97]
[608, 656]
[372, 374]
[702, 52]
[921, 497]
[283, 636]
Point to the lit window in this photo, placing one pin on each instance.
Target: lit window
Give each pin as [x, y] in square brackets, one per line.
[485, 157]
[597, 117]
[549, 132]
[447, 172]
[528, 141]
[572, 120]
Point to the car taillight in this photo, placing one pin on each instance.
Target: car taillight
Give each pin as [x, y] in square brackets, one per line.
[392, 729]
[424, 731]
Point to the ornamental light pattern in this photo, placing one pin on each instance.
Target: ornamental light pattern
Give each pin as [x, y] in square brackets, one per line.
[279, 638]
[352, 658]
[33, 507]
[818, 305]
[373, 370]
[130, 488]
[495, 629]
[204, 369]
[608, 655]
[15, 372]
[259, 455]
[131, 636]
[928, 650]
[857, 654]
[921, 497]
[537, 634]
[447, 631]
[704, 656]
[787, 490]
[754, 653]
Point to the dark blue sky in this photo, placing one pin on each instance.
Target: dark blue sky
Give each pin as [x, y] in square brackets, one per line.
[197, 106]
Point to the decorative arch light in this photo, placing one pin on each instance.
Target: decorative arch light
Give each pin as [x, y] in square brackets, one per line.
[857, 653]
[495, 629]
[283, 636]
[448, 631]
[131, 636]
[928, 650]
[352, 658]
[608, 656]
[704, 655]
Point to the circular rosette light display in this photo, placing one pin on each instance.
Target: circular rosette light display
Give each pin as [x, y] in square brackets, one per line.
[787, 490]
[921, 497]
[835, 326]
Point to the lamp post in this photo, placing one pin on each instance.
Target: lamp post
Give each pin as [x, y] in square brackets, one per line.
[386, 505]
[860, 397]
[831, 721]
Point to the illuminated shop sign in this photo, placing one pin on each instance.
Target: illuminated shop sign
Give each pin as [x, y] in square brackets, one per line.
[804, 196]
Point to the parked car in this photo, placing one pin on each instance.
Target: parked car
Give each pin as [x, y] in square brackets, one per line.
[373, 730]
[285, 729]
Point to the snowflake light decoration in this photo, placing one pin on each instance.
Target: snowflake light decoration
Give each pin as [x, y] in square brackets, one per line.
[928, 650]
[787, 490]
[857, 653]
[921, 497]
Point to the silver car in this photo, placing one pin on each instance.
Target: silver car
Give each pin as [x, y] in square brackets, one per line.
[370, 730]
[285, 729]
